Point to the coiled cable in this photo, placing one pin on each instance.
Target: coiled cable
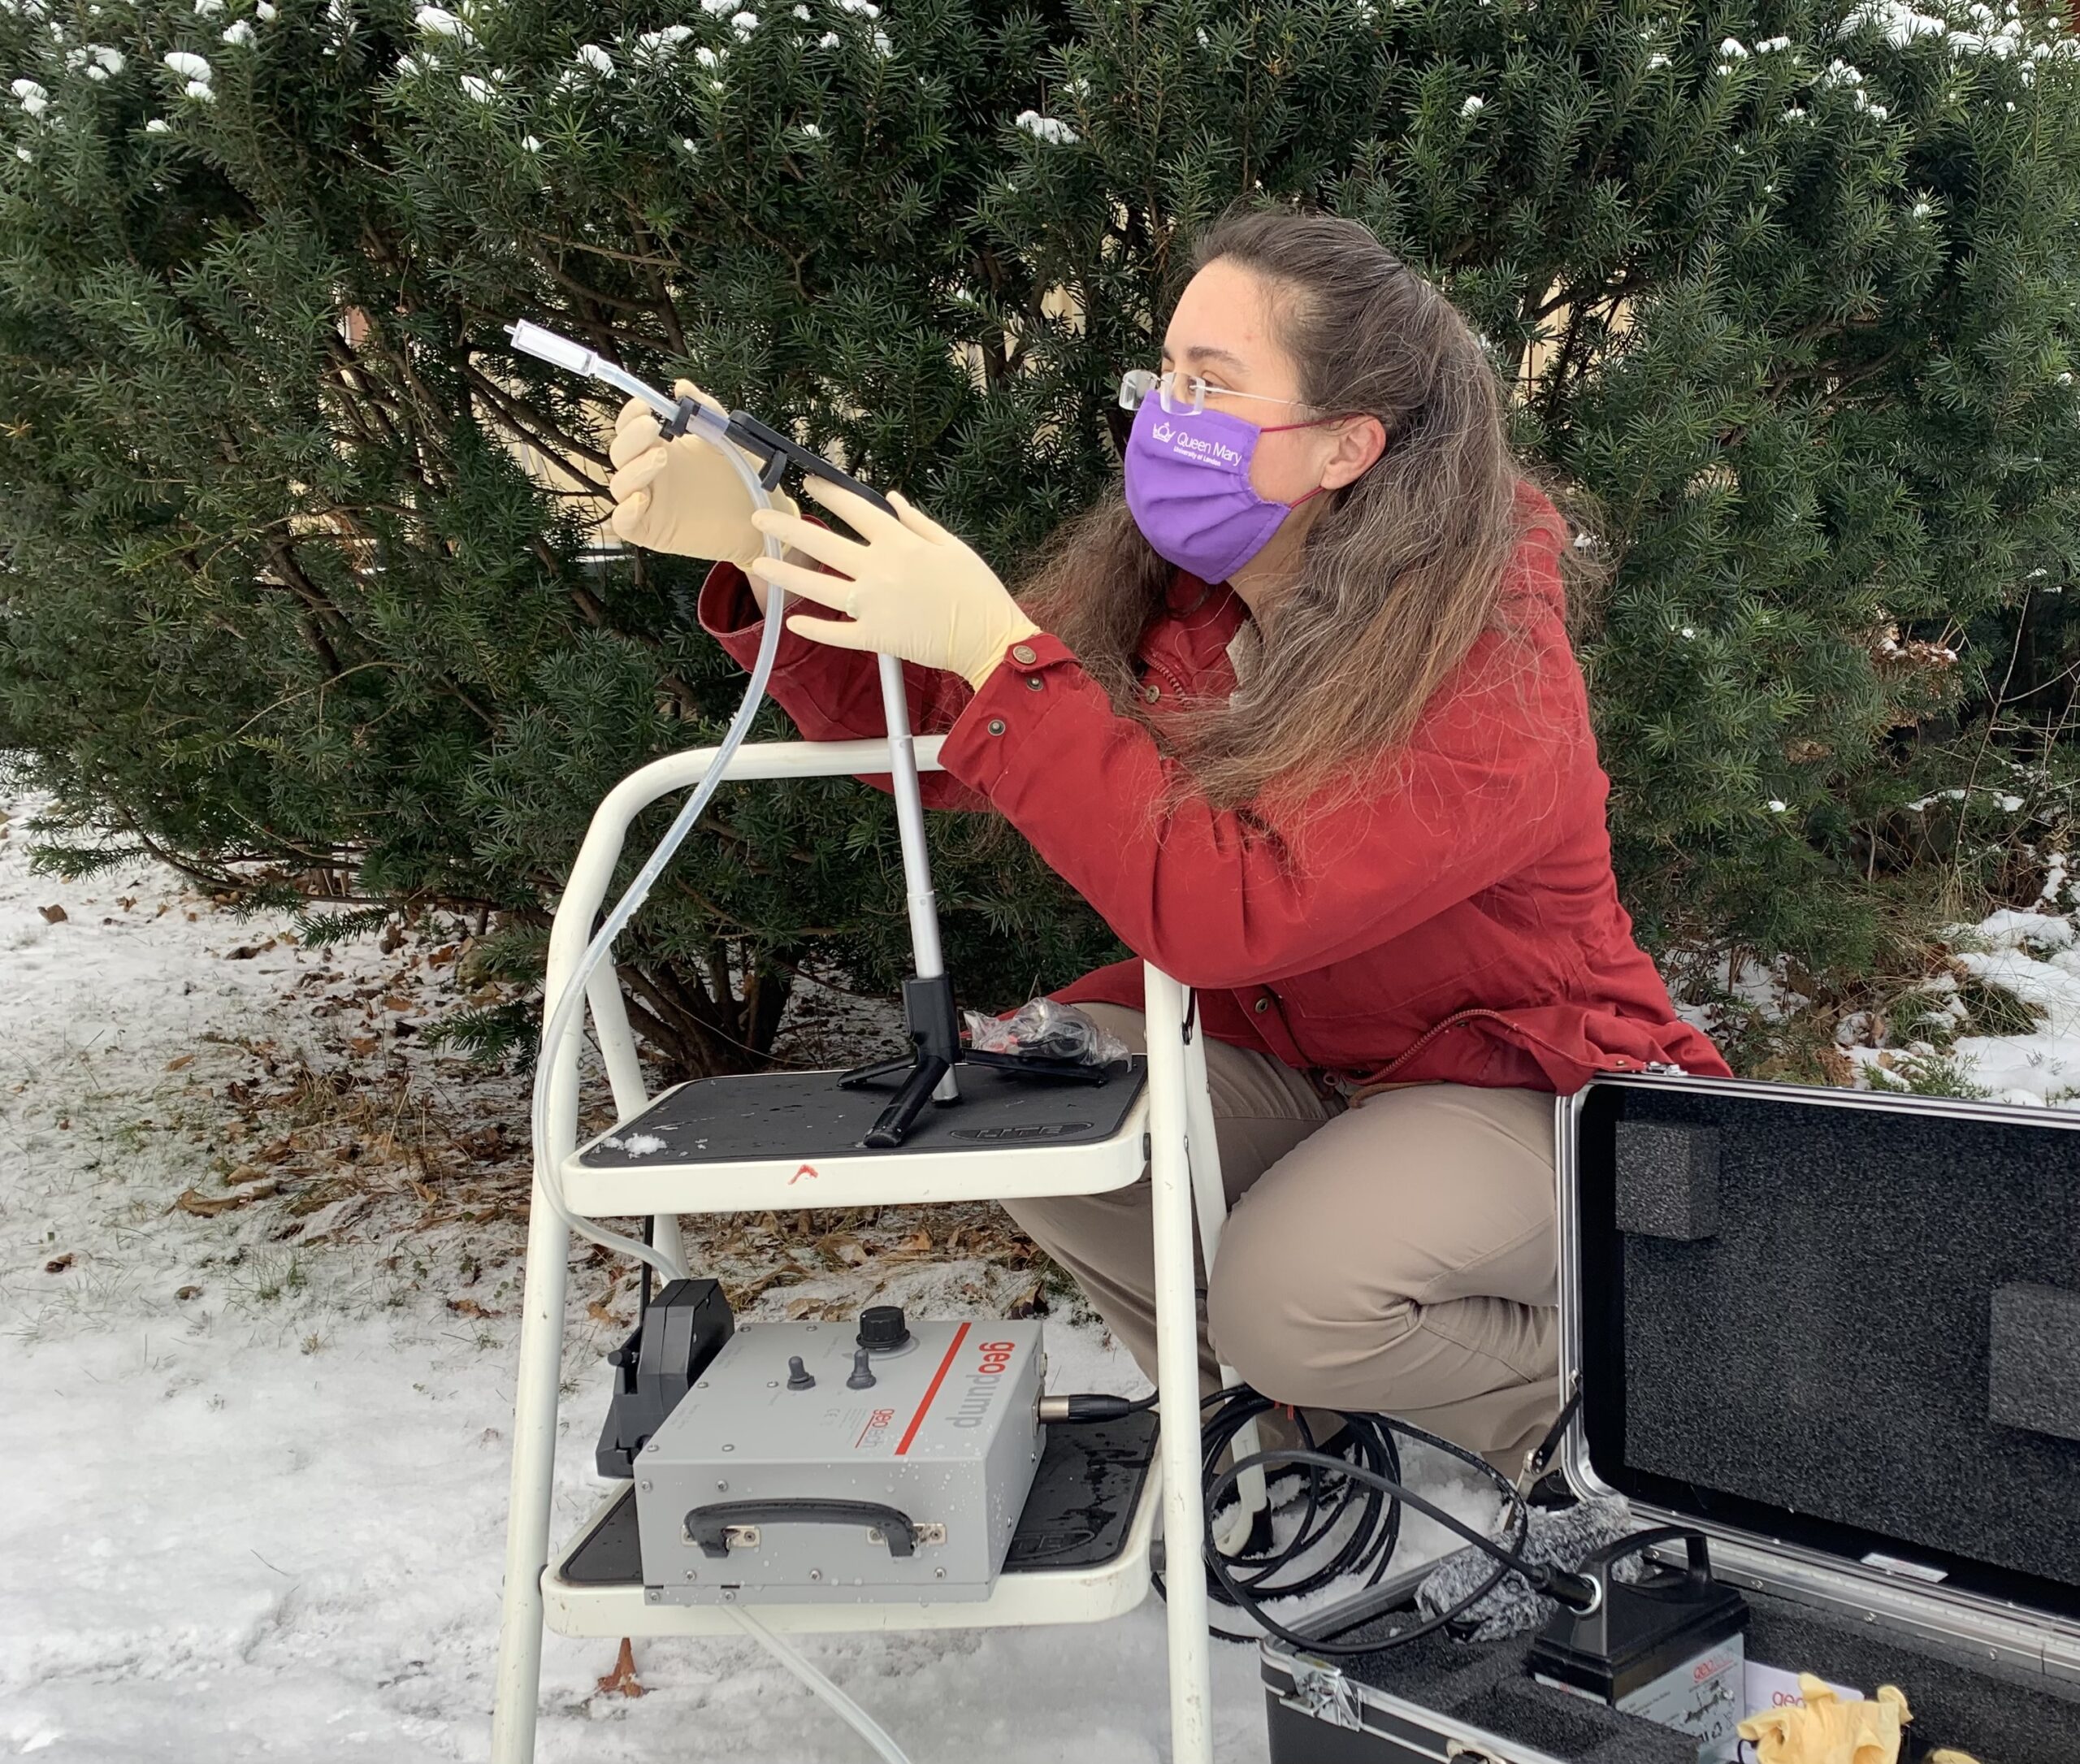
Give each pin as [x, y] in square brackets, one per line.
[1358, 1483]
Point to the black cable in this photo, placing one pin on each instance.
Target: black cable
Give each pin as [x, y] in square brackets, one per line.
[1364, 1473]
[1093, 1407]
[1541, 1456]
[1507, 1560]
[1246, 1582]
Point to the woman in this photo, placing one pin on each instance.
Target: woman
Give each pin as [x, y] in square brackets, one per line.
[1297, 715]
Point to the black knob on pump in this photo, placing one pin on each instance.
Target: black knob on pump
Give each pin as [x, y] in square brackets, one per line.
[882, 1328]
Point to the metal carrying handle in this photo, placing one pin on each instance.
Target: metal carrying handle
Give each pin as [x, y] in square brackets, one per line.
[709, 1526]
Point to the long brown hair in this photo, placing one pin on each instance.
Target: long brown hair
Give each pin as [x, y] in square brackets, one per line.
[1402, 571]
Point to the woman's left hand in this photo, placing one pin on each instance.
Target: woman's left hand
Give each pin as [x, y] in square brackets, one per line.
[908, 586]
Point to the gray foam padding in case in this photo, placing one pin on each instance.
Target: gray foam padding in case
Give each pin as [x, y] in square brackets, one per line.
[1997, 1712]
[1828, 1351]
[1990, 1709]
[1668, 1180]
[2035, 1352]
[1485, 1684]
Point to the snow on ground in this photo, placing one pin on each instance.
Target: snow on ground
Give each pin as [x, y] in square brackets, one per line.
[257, 1391]
[2032, 954]
[256, 1325]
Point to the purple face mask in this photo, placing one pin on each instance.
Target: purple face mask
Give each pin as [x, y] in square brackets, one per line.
[1187, 486]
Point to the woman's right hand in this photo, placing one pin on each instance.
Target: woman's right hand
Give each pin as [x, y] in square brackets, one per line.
[682, 495]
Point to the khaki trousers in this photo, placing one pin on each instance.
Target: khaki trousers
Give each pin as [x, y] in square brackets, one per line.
[1399, 1255]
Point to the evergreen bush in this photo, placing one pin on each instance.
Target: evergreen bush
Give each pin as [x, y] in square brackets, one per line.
[1786, 292]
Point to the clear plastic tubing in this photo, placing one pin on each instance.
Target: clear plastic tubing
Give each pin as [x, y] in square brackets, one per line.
[561, 351]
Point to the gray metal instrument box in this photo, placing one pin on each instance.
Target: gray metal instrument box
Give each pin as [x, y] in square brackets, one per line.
[759, 1489]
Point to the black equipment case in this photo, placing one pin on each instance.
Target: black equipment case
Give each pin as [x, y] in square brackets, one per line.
[1838, 1332]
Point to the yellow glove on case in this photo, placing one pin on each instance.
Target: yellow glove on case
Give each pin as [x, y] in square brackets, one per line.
[1828, 1730]
[680, 495]
[908, 586]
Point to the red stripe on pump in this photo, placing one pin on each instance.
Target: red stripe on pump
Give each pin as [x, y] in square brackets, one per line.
[931, 1391]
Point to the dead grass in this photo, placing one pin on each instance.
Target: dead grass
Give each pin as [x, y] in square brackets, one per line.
[431, 1153]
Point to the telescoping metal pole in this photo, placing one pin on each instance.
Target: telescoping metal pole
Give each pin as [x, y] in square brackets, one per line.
[927, 959]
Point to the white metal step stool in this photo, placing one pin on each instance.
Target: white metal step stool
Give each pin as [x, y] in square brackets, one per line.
[1175, 1114]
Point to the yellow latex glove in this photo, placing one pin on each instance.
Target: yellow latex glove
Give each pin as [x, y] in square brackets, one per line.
[1828, 1730]
[680, 495]
[911, 589]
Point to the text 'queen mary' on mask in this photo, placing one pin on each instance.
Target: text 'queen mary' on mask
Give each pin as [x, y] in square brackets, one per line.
[1189, 488]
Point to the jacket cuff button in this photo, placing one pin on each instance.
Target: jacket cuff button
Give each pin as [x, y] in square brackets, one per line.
[1025, 654]
[1261, 1005]
[1151, 693]
[996, 726]
[1035, 683]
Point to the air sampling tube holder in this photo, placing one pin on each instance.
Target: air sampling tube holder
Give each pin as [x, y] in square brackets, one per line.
[676, 416]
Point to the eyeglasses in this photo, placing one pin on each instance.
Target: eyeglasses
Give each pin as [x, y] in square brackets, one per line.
[1179, 394]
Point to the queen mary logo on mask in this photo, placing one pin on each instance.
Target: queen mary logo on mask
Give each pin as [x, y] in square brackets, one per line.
[1197, 450]
[1187, 486]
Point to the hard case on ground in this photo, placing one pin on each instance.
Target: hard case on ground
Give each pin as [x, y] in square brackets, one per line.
[1839, 1332]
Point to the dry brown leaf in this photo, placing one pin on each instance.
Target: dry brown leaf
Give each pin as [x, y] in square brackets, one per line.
[621, 1681]
[916, 1247]
[53, 915]
[187, 1292]
[193, 1200]
[59, 1263]
[469, 1307]
[748, 1293]
[841, 1249]
[180, 1062]
[364, 1044]
[599, 1313]
[397, 1001]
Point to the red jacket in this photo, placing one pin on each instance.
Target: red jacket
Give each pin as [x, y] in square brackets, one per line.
[1460, 925]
